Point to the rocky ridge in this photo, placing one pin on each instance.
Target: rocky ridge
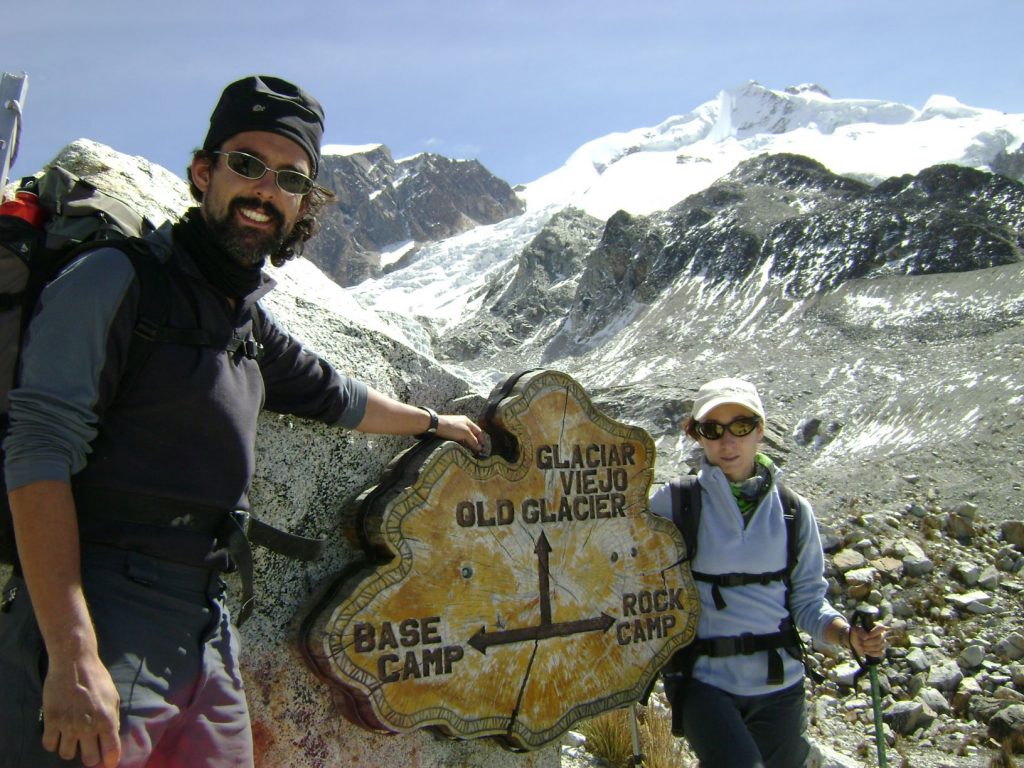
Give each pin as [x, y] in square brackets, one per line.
[785, 219]
[384, 205]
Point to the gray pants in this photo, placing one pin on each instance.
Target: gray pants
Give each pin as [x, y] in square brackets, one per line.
[165, 634]
[729, 731]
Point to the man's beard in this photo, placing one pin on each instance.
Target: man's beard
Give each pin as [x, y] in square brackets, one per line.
[248, 246]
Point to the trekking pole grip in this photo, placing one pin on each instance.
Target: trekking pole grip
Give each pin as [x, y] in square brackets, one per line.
[865, 617]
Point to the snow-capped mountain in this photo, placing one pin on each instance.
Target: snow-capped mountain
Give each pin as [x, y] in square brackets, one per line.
[652, 169]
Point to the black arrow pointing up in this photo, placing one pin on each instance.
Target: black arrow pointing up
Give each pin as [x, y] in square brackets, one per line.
[543, 549]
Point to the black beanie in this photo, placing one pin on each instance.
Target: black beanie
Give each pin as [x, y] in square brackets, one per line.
[265, 103]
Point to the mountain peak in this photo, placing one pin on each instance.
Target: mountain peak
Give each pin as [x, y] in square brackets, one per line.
[797, 90]
[651, 169]
[752, 109]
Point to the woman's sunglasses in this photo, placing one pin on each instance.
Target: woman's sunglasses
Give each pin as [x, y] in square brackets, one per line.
[741, 427]
[254, 169]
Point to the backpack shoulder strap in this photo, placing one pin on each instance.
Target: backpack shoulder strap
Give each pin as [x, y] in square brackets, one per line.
[791, 511]
[154, 304]
[686, 506]
[155, 297]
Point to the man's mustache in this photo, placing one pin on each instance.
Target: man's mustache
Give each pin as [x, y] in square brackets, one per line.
[264, 206]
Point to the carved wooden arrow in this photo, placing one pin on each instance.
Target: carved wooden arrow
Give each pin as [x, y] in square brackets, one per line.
[481, 640]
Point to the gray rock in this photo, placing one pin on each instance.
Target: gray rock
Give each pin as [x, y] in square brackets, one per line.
[1011, 647]
[860, 578]
[845, 674]
[945, 676]
[1013, 532]
[1017, 675]
[917, 660]
[971, 656]
[968, 689]
[960, 527]
[975, 602]
[934, 700]
[904, 607]
[917, 566]
[966, 510]
[1007, 724]
[824, 756]
[967, 572]
[989, 578]
[905, 717]
[1005, 693]
[983, 707]
[848, 559]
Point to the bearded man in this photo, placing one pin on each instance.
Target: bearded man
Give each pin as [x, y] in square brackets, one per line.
[127, 471]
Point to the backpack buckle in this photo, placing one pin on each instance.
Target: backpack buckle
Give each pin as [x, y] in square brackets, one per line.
[242, 519]
[723, 646]
[746, 644]
[252, 349]
[8, 600]
[732, 579]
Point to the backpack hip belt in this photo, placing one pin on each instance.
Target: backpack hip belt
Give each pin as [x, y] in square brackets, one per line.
[235, 530]
[746, 644]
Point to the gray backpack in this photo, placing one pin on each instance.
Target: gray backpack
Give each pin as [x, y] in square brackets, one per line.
[52, 219]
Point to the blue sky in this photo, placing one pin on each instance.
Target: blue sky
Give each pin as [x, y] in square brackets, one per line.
[517, 84]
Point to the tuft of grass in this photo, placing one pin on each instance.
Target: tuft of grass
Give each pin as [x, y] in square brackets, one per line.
[1011, 744]
[661, 748]
[609, 737]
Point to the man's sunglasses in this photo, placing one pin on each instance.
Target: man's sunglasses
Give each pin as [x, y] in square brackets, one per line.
[249, 167]
[741, 427]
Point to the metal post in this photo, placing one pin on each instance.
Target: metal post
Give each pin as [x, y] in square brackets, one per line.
[13, 89]
[637, 759]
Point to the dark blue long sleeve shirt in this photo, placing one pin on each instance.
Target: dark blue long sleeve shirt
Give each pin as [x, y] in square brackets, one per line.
[185, 429]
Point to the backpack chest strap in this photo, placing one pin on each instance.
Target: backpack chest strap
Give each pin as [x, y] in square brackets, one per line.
[719, 580]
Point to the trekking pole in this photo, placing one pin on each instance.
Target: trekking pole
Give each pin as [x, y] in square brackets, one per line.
[865, 616]
[13, 89]
[638, 755]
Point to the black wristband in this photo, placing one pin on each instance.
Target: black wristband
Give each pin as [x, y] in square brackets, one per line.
[432, 429]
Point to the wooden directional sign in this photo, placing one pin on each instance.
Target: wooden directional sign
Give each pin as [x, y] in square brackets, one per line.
[515, 595]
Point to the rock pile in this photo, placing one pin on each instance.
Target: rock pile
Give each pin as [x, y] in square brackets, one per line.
[949, 586]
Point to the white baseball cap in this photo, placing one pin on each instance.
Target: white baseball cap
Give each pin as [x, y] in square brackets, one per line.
[728, 390]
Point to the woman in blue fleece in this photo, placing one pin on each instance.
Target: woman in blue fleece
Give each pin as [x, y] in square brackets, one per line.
[739, 696]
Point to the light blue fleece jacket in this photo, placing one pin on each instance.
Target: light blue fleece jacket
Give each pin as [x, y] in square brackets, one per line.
[724, 545]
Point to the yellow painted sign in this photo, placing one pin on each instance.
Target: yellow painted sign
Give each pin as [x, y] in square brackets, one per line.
[515, 595]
